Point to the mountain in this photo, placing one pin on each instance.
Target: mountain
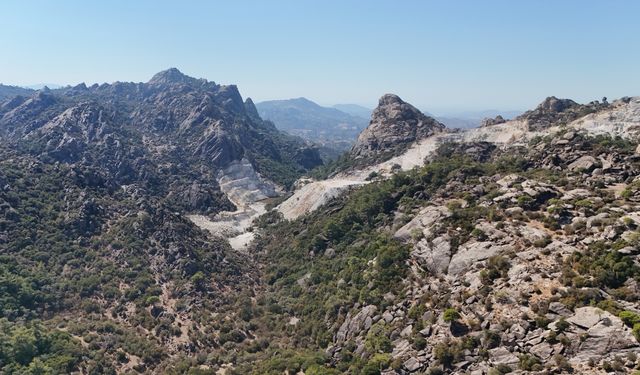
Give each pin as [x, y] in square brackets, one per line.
[40, 86]
[302, 117]
[473, 119]
[7, 92]
[553, 111]
[394, 126]
[101, 187]
[164, 227]
[354, 110]
[180, 115]
[510, 248]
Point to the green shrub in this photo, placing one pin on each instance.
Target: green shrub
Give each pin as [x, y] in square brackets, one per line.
[629, 318]
[529, 363]
[450, 315]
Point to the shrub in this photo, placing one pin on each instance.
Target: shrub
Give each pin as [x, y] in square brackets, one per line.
[529, 363]
[377, 340]
[450, 315]
[629, 318]
[445, 354]
[562, 325]
[492, 339]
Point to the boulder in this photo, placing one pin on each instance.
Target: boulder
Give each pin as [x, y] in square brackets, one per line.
[605, 334]
[584, 163]
[502, 356]
[472, 252]
[412, 364]
[433, 255]
[542, 350]
[354, 324]
[423, 223]
[587, 317]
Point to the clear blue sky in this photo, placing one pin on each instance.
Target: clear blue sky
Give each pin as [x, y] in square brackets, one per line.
[437, 55]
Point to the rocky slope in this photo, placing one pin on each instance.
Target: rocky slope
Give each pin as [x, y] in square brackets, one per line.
[511, 248]
[513, 254]
[394, 126]
[97, 187]
[619, 118]
[329, 127]
[9, 92]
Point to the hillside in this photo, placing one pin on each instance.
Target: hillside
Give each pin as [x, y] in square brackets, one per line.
[102, 269]
[354, 110]
[509, 248]
[512, 249]
[329, 127]
[8, 92]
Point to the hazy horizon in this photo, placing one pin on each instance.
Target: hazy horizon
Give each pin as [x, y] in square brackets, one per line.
[441, 57]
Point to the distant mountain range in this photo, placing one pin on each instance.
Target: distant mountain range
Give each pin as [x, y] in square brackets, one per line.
[327, 126]
[38, 86]
[354, 110]
[11, 91]
[473, 119]
[336, 128]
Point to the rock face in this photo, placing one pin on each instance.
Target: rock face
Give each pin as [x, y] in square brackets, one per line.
[393, 127]
[8, 92]
[353, 325]
[554, 111]
[127, 126]
[492, 121]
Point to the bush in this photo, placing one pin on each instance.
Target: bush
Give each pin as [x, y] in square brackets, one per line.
[377, 340]
[629, 318]
[445, 354]
[562, 325]
[450, 315]
[529, 363]
[419, 343]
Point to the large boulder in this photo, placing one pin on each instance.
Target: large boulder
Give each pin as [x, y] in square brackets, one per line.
[354, 324]
[472, 252]
[605, 333]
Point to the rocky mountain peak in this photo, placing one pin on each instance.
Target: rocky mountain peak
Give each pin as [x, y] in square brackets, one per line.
[388, 99]
[492, 121]
[251, 109]
[394, 125]
[554, 111]
[171, 76]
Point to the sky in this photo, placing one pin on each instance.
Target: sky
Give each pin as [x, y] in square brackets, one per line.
[442, 56]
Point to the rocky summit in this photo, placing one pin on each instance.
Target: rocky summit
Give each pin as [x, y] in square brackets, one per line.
[394, 125]
[166, 228]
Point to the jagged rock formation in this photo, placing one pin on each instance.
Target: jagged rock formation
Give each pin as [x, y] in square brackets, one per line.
[492, 121]
[8, 92]
[101, 181]
[172, 115]
[554, 111]
[393, 127]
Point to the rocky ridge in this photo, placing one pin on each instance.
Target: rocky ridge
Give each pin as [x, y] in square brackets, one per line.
[394, 126]
[510, 267]
[101, 181]
[620, 118]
